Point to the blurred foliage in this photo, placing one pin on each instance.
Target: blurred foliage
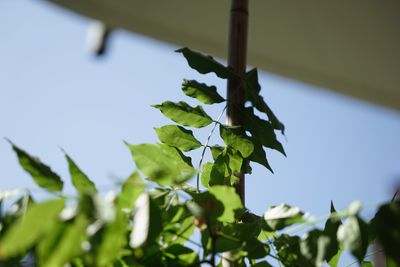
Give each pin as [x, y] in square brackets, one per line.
[155, 220]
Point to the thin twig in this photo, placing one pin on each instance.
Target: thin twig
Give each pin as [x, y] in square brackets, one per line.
[205, 147]
[394, 196]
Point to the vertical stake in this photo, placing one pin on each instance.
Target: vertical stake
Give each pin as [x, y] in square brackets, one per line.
[237, 49]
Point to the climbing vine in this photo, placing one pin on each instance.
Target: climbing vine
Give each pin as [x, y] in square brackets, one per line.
[158, 219]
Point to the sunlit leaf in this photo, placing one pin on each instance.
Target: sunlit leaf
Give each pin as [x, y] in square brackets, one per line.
[205, 64]
[202, 92]
[230, 199]
[236, 141]
[279, 217]
[206, 174]
[79, 179]
[234, 160]
[218, 172]
[216, 150]
[41, 173]
[179, 255]
[333, 262]
[131, 189]
[179, 231]
[28, 229]
[48, 242]
[185, 114]
[177, 136]
[162, 163]
[69, 245]
[113, 240]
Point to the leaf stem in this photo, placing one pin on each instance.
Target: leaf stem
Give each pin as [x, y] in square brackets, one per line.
[205, 147]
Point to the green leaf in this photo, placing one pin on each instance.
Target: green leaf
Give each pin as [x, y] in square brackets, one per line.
[230, 200]
[27, 230]
[41, 173]
[131, 189]
[205, 64]
[69, 245]
[330, 230]
[48, 242]
[386, 227]
[279, 217]
[162, 164]
[179, 255]
[234, 160]
[184, 114]
[213, 173]
[313, 246]
[206, 174]
[227, 244]
[178, 137]
[333, 262]
[113, 241]
[179, 231]
[218, 172]
[253, 95]
[262, 131]
[236, 141]
[256, 249]
[259, 155]
[81, 182]
[354, 236]
[202, 92]
[216, 150]
[207, 205]
[288, 250]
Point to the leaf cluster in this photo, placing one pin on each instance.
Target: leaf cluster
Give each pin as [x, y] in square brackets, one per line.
[158, 219]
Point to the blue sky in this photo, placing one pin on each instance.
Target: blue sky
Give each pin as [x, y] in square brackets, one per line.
[54, 94]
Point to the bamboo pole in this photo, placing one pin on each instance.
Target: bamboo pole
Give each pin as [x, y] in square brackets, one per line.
[237, 49]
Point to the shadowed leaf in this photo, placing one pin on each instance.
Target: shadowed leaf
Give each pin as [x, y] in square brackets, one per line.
[253, 95]
[205, 64]
[42, 175]
[202, 92]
